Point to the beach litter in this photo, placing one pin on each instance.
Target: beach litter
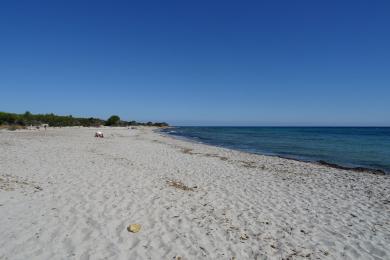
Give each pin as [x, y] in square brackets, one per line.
[134, 228]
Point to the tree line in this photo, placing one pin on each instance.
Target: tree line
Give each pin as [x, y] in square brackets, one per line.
[28, 119]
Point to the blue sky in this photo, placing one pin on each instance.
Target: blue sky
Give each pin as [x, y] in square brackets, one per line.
[199, 62]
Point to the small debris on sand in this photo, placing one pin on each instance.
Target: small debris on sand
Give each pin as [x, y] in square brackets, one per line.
[134, 228]
[187, 150]
[244, 237]
[180, 185]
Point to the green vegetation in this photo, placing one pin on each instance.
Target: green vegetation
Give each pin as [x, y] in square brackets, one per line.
[12, 120]
[113, 121]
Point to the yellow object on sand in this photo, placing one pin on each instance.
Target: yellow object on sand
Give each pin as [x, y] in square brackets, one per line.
[134, 228]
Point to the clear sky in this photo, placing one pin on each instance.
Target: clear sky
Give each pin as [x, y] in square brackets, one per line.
[199, 62]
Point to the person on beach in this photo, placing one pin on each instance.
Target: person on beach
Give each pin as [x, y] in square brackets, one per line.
[99, 134]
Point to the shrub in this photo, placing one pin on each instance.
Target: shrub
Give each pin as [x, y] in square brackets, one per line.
[113, 120]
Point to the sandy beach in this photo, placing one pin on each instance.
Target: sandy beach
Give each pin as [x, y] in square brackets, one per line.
[67, 195]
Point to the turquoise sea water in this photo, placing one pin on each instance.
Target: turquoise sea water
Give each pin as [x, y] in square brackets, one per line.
[367, 147]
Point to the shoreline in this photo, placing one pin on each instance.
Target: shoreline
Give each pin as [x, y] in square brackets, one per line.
[375, 171]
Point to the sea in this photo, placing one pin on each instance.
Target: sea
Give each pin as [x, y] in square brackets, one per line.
[354, 147]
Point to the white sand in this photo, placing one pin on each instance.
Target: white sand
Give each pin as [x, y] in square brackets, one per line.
[67, 195]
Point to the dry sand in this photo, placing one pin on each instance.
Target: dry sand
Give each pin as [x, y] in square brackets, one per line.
[67, 195]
